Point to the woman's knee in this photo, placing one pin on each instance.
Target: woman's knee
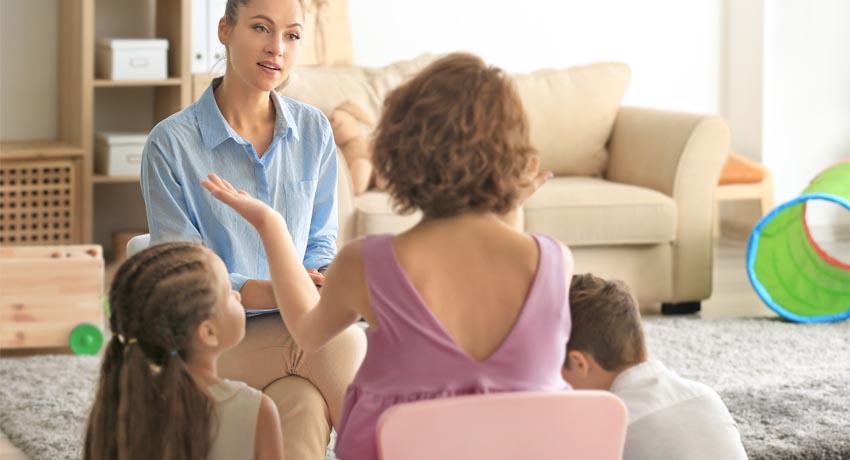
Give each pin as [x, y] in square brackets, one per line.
[298, 397]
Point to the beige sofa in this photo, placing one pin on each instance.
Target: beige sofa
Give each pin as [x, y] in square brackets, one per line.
[633, 188]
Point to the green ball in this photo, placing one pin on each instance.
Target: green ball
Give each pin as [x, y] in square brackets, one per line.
[86, 339]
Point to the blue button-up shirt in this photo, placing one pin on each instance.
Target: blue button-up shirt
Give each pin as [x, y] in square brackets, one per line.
[296, 176]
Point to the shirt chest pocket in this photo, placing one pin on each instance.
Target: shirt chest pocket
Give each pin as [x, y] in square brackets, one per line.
[297, 207]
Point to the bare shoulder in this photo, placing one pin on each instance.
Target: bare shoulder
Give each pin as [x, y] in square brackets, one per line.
[268, 439]
[347, 266]
[350, 256]
[345, 282]
[267, 408]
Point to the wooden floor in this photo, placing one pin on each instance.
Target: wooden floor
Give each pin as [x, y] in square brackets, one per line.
[732, 296]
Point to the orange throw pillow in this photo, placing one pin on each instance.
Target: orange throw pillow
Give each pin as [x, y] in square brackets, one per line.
[737, 172]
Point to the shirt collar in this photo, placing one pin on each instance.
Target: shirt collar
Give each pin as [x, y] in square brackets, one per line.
[215, 130]
[637, 372]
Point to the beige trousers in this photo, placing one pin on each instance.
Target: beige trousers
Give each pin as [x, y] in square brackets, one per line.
[308, 389]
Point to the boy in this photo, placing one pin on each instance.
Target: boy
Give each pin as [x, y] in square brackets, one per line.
[669, 417]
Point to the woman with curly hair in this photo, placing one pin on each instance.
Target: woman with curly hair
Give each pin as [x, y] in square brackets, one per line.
[463, 302]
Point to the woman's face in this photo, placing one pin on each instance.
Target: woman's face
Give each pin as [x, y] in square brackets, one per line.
[264, 42]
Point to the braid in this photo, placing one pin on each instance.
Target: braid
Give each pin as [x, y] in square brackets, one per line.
[102, 418]
[147, 398]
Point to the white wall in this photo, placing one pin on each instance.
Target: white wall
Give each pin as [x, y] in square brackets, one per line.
[742, 95]
[806, 95]
[672, 47]
[28, 81]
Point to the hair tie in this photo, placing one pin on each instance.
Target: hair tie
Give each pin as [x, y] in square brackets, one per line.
[173, 352]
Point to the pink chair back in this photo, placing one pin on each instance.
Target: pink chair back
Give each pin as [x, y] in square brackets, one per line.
[509, 426]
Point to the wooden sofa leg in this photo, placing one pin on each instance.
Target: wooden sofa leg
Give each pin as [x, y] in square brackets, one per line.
[682, 308]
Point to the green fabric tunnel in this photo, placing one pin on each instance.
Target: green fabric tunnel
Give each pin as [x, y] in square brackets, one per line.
[791, 273]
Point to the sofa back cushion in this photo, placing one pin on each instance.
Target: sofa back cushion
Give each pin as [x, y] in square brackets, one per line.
[328, 87]
[571, 113]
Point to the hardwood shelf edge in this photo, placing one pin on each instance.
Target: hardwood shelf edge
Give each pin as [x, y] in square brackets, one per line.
[38, 149]
[103, 179]
[106, 83]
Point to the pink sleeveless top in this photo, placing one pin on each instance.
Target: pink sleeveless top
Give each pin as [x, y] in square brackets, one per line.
[411, 357]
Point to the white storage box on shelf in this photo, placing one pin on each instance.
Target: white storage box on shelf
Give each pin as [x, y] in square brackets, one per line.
[119, 154]
[132, 59]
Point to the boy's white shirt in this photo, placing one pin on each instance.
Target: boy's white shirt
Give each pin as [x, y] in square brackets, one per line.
[674, 418]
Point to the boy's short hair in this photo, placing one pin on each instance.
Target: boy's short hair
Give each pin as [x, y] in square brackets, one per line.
[453, 139]
[605, 322]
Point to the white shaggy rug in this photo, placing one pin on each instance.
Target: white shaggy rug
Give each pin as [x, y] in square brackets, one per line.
[787, 385]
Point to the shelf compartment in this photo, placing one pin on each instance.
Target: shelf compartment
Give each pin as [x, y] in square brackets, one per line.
[39, 201]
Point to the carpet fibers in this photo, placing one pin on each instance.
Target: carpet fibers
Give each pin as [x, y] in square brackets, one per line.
[786, 385]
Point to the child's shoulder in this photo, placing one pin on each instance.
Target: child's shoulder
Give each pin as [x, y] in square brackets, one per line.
[352, 252]
[227, 390]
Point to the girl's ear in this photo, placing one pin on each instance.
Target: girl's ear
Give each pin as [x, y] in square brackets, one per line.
[223, 31]
[207, 334]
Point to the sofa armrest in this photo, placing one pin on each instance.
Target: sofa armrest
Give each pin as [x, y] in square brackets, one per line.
[680, 155]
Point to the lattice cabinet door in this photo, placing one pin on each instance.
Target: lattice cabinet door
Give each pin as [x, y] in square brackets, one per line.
[40, 202]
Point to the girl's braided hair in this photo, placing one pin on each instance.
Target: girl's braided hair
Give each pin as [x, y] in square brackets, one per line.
[147, 403]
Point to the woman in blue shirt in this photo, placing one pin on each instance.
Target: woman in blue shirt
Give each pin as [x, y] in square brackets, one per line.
[283, 152]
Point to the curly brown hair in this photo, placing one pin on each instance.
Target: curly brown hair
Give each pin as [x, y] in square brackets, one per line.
[454, 139]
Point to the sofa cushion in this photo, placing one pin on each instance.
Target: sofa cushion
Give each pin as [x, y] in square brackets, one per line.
[374, 215]
[388, 78]
[328, 87]
[571, 113]
[587, 211]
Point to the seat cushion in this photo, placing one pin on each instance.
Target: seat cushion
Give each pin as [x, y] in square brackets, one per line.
[328, 87]
[586, 211]
[374, 215]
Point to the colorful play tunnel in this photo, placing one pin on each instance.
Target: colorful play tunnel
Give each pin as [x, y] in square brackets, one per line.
[789, 270]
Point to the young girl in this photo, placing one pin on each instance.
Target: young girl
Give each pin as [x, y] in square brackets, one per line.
[172, 314]
[283, 152]
[463, 303]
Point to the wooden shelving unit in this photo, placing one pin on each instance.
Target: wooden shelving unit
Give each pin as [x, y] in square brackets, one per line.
[44, 184]
[88, 197]
[101, 179]
[12, 150]
[109, 209]
[104, 83]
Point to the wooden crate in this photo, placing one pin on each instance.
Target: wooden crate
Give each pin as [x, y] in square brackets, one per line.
[46, 291]
[39, 202]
